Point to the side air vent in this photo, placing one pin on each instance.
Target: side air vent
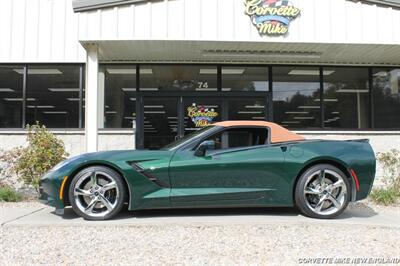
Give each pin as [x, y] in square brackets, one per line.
[145, 173]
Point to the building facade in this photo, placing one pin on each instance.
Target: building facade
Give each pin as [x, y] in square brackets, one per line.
[122, 74]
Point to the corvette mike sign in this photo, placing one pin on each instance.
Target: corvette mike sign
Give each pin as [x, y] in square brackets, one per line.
[271, 17]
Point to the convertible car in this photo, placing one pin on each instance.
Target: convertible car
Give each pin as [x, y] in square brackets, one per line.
[226, 164]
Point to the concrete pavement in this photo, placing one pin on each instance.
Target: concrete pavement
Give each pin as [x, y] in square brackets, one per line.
[41, 215]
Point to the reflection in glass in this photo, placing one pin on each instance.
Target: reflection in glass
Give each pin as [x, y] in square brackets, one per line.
[53, 96]
[119, 85]
[296, 97]
[11, 81]
[178, 78]
[346, 97]
[247, 109]
[160, 121]
[244, 78]
[386, 97]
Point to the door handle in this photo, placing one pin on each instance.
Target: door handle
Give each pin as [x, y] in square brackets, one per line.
[283, 148]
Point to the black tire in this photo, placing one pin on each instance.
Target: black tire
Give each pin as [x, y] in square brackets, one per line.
[120, 188]
[302, 202]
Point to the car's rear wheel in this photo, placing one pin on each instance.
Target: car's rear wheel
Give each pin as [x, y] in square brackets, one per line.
[322, 191]
[97, 193]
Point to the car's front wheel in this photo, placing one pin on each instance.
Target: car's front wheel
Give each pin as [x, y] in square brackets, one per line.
[97, 193]
[322, 191]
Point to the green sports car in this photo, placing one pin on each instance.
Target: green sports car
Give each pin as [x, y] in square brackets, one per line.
[226, 164]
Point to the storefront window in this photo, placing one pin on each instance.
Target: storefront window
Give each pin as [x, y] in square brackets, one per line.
[178, 78]
[160, 123]
[296, 97]
[346, 95]
[11, 82]
[244, 78]
[53, 96]
[386, 97]
[119, 85]
[247, 108]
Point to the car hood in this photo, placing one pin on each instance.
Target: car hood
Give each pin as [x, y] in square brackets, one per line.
[117, 158]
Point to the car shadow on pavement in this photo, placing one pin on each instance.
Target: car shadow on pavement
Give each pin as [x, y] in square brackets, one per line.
[69, 214]
[357, 210]
[354, 210]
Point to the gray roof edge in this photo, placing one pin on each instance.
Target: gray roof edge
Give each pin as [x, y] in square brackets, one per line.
[86, 5]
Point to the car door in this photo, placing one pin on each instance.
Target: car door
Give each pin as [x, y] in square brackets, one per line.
[242, 169]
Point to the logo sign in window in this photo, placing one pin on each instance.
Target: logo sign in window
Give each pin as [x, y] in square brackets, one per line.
[271, 17]
[200, 115]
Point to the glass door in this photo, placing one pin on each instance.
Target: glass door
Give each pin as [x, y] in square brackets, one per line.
[199, 112]
[160, 121]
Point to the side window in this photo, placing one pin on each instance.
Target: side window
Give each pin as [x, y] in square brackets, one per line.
[240, 137]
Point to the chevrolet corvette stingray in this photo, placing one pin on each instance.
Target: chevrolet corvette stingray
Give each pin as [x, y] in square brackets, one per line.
[226, 164]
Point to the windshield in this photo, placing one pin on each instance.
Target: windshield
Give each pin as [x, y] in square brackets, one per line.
[186, 138]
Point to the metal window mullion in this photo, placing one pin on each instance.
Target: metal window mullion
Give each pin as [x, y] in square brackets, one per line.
[139, 113]
[80, 97]
[270, 96]
[321, 96]
[371, 99]
[24, 84]
[219, 78]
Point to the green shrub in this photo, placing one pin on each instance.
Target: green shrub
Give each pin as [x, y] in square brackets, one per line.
[43, 152]
[9, 195]
[385, 196]
[390, 162]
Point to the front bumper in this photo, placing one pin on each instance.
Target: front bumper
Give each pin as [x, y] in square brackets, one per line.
[49, 190]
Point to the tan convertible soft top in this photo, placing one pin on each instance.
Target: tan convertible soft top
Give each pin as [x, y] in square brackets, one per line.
[278, 133]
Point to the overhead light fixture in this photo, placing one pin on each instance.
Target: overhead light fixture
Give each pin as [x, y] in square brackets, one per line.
[260, 53]
[55, 112]
[39, 71]
[121, 71]
[309, 106]
[130, 117]
[63, 89]
[352, 91]
[111, 112]
[41, 106]
[296, 112]
[326, 100]
[149, 89]
[146, 71]
[6, 90]
[226, 89]
[309, 72]
[19, 99]
[154, 112]
[150, 131]
[128, 89]
[381, 74]
[335, 113]
[304, 117]
[211, 106]
[258, 117]
[73, 99]
[250, 112]
[172, 117]
[290, 122]
[153, 106]
[208, 71]
[206, 89]
[255, 106]
[132, 99]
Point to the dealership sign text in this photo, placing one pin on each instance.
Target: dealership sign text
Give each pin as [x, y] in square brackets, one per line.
[271, 17]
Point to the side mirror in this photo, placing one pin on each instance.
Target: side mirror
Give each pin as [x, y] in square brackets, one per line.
[203, 147]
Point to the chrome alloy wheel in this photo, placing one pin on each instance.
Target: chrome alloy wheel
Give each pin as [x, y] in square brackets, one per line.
[96, 193]
[325, 192]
